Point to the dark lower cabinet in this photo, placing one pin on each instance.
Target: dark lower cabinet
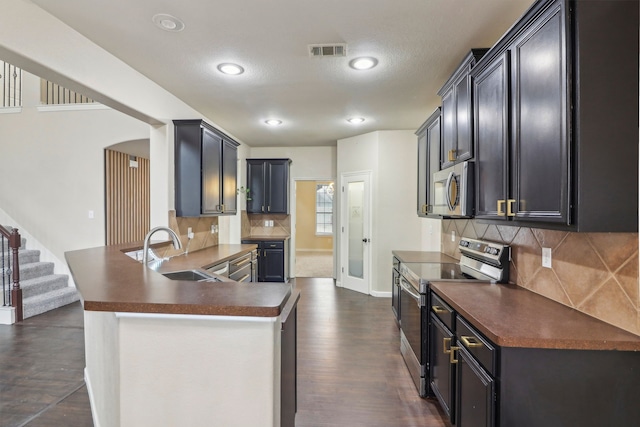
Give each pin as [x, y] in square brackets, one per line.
[289, 362]
[481, 384]
[273, 260]
[441, 370]
[474, 392]
[395, 290]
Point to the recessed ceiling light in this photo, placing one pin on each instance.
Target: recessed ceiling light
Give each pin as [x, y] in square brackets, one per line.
[168, 22]
[355, 120]
[228, 68]
[273, 122]
[364, 63]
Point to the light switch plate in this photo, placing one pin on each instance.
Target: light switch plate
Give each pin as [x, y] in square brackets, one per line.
[453, 235]
[546, 257]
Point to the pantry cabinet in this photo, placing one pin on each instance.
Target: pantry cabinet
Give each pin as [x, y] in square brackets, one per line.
[555, 119]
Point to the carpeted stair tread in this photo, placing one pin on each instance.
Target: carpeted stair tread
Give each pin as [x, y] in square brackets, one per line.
[25, 256]
[35, 269]
[43, 284]
[41, 303]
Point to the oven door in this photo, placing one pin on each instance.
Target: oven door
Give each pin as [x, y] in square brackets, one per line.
[413, 332]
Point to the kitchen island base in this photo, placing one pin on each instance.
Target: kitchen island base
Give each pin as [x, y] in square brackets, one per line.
[168, 369]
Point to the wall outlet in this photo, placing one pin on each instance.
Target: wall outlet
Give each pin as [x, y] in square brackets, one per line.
[189, 233]
[266, 223]
[453, 235]
[546, 257]
[213, 229]
[271, 223]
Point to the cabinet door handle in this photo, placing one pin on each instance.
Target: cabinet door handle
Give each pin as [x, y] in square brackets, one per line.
[510, 203]
[262, 208]
[470, 342]
[269, 208]
[446, 341]
[500, 207]
[452, 155]
[439, 309]
[452, 355]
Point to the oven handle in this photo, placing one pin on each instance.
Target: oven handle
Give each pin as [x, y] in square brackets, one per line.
[406, 286]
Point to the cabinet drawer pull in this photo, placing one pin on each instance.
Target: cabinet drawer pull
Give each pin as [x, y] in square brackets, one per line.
[470, 342]
[452, 155]
[510, 203]
[244, 278]
[242, 262]
[452, 355]
[500, 208]
[439, 309]
[446, 341]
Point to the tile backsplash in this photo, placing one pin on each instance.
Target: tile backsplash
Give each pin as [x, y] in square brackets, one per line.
[595, 273]
[202, 235]
[256, 224]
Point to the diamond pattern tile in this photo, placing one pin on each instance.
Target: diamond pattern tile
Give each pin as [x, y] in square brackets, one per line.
[527, 255]
[595, 273]
[614, 248]
[546, 283]
[578, 267]
[627, 277]
[549, 238]
[612, 305]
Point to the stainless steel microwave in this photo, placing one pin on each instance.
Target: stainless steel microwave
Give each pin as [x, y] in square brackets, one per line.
[453, 190]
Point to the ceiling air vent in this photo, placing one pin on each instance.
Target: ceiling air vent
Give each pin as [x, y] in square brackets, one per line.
[339, 49]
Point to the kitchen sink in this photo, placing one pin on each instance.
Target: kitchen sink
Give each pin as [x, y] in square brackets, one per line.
[190, 275]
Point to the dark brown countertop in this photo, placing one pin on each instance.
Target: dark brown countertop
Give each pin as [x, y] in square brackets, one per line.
[265, 237]
[109, 280]
[422, 256]
[512, 316]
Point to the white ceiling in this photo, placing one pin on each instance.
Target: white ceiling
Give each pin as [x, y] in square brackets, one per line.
[418, 44]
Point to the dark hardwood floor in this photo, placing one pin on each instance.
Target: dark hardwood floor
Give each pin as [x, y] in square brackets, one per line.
[350, 372]
[41, 371]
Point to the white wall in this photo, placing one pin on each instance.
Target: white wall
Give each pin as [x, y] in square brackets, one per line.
[391, 157]
[53, 169]
[37, 42]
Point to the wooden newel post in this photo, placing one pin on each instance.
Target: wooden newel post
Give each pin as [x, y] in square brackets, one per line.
[16, 291]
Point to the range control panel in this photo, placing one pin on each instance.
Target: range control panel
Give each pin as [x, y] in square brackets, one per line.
[492, 252]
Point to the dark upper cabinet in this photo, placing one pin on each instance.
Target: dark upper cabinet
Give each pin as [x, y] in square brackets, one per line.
[556, 119]
[457, 133]
[268, 183]
[491, 111]
[205, 170]
[428, 161]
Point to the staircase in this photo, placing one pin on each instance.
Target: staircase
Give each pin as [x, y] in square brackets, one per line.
[42, 290]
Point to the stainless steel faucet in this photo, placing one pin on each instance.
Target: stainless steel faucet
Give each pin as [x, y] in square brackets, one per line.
[145, 251]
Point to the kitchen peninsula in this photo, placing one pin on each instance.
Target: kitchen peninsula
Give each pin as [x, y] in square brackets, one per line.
[175, 352]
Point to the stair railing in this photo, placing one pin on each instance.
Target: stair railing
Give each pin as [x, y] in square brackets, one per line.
[13, 298]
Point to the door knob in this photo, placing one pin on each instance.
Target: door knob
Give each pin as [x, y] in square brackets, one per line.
[365, 240]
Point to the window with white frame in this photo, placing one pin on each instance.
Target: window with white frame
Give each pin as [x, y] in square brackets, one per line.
[324, 209]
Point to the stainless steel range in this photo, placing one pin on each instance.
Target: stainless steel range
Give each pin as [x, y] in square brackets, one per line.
[480, 261]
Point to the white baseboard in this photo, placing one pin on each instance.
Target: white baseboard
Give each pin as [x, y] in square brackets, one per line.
[380, 294]
[7, 315]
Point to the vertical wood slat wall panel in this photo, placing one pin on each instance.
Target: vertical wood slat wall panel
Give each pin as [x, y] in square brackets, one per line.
[127, 198]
